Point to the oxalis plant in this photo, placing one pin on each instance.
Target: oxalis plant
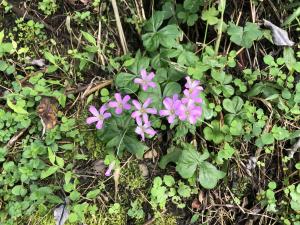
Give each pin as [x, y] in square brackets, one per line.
[124, 120]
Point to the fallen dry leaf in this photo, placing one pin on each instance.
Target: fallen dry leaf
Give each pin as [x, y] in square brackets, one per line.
[38, 62]
[151, 154]
[196, 204]
[144, 170]
[61, 214]
[280, 37]
[201, 197]
[47, 111]
[85, 2]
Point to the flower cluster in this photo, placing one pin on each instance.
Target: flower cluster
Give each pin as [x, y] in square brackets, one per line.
[142, 118]
[185, 109]
[140, 114]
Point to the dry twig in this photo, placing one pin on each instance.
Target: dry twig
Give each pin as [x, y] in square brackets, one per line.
[14, 139]
[119, 26]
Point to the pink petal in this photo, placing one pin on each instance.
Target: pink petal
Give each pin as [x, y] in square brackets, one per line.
[151, 111]
[110, 168]
[108, 172]
[144, 87]
[168, 103]
[164, 112]
[93, 110]
[145, 117]
[195, 93]
[92, 119]
[197, 111]
[118, 97]
[152, 84]
[182, 116]
[139, 121]
[175, 97]
[198, 100]
[185, 100]
[187, 93]
[99, 124]
[150, 131]
[191, 104]
[139, 131]
[188, 82]
[126, 99]
[106, 115]
[127, 106]
[171, 119]
[181, 110]
[113, 104]
[136, 104]
[151, 76]
[136, 114]
[192, 119]
[103, 109]
[147, 102]
[138, 81]
[144, 74]
[147, 124]
[177, 104]
[119, 111]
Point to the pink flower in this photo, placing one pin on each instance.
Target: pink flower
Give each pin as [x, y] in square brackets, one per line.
[120, 103]
[171, 106]
[142, 110]
[189, 94]
[192, 84]
[146, 80]
[145, 128]
[189, 112]
[192, 90]
[98, 117]
[110, 168]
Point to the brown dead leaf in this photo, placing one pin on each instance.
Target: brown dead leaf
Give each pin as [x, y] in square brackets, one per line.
[85, 2]
[151, 154]
[201, 197]
[280, 36]
[196, 204]
[47, 111]
[144, 170]
[38, 62]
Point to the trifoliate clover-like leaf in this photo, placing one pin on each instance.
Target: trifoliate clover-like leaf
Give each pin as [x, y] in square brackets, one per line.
[244, 36]
[210, 16]
[189, 161]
